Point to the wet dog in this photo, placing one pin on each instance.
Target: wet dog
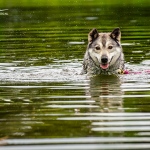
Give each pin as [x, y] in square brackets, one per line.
[104, 54]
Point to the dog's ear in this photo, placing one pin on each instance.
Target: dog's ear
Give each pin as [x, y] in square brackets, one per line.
[116, 34]
[93, 35]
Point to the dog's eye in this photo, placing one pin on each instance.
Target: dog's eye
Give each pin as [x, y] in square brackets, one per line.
[110, 47]
[97, 48]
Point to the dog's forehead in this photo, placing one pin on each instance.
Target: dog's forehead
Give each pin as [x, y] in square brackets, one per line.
[104, 39]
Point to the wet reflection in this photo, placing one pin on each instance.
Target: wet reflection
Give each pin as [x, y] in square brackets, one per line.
[102, 86]
[44, 100]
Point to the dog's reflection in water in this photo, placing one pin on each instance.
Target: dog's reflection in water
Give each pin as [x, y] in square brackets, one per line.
[106, 92]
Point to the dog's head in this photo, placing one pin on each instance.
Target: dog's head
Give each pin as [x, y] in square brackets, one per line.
[104, 48]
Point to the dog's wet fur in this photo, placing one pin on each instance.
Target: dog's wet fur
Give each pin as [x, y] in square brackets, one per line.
[104, 54]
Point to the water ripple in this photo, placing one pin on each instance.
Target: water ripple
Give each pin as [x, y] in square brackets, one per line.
[104, 118]
[75, 140]
[80, 147]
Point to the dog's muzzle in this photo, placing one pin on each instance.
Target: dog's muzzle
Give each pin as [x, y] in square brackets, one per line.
[104, 59]
[104, 62]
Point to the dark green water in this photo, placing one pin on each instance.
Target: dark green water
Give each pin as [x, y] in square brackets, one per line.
[45, 103]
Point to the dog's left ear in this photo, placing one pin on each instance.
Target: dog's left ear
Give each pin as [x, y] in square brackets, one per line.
[93, 35]
[116, 34]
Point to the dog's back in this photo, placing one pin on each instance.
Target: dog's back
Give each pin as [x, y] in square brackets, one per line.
[104, 53]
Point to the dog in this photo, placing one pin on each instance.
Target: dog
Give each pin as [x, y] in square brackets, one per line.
[104, 54]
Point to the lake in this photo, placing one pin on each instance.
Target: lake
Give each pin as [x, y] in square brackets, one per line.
[45, 101]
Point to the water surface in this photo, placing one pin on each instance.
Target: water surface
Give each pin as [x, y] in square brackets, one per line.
[45, 103]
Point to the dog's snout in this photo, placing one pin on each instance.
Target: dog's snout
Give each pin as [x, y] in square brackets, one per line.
[104, 59]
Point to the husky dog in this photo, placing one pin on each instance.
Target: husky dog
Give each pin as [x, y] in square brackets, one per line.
[104, 54]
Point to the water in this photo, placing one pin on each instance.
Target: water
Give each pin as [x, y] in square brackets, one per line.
[45, 103]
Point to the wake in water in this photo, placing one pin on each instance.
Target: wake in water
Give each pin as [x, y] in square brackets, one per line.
[137, 72]
[57, 72]
[66, 72]
[44, 75]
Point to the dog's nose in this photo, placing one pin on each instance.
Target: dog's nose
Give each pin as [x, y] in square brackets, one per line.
[104, 59]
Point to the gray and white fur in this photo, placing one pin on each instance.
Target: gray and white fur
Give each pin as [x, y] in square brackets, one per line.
[104, 54]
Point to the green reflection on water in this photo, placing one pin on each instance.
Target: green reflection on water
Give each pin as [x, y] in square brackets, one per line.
[40, 33]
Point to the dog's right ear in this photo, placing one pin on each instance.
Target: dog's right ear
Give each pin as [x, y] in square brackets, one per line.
[92, 35]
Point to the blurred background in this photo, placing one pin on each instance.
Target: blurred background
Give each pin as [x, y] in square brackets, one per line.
[44, 100]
